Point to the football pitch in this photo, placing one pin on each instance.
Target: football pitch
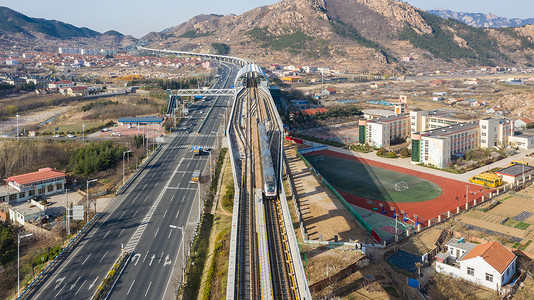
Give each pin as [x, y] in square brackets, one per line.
[371, 182]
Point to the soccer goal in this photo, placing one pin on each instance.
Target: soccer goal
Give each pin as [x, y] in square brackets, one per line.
[318, 158]
[400, 186]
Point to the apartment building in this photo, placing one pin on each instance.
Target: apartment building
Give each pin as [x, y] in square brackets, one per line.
[431, 119]
[495, 132]
[380, 132]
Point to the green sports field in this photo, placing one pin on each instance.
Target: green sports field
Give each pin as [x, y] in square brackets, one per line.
[372, 182]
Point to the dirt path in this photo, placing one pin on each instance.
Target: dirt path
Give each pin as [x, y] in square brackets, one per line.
[30, 119]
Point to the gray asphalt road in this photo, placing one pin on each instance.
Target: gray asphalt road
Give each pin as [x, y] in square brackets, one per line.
[163, 192]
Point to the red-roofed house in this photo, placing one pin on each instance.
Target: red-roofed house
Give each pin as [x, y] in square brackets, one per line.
[46, 181]
[60, 84]
[313, 111]
[522, 123]
[491, 264]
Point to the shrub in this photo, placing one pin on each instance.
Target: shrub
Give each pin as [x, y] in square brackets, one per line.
[392, 154]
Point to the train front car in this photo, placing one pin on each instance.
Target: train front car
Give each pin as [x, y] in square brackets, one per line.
[269, 178]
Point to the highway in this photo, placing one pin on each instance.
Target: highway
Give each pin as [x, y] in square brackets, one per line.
[140, 219]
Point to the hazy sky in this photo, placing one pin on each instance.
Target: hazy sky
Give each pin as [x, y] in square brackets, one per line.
[139, 17]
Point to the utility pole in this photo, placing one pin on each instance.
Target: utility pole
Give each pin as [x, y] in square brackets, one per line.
[19, 237]
[18, 133]
[124, 152]
[87, 191]
[67, 216]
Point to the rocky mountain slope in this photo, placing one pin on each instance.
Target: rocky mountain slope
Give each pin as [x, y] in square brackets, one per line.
[17, 27]
[481, 20]
[350, 35]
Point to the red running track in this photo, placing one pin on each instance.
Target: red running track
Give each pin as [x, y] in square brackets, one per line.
[452, 192]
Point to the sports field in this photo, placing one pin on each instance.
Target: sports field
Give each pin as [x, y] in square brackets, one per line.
[373, 182]
[385, 189]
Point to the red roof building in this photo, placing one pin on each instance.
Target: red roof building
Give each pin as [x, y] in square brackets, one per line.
[40, 178]
[313, 111]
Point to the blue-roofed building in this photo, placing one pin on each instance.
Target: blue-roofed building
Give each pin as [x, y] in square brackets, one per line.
[140, 120]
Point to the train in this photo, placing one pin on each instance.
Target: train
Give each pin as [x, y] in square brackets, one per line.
[269, 178]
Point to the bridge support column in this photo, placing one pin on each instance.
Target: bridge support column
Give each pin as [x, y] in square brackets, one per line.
[439, 218]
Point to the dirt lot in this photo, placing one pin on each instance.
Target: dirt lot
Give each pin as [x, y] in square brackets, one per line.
[324, 216]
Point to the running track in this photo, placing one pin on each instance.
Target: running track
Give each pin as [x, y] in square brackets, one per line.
[426, 210]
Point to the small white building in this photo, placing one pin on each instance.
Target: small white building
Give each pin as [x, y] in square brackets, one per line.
[491, 264]
[523, 141]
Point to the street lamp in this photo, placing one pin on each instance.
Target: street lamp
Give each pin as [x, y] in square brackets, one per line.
[19, 237]
[18, 134]
[124, 152]
[83, 132]
[147, 134]
[183, 249]
[89, 181]
[67, 215]
[199, 203]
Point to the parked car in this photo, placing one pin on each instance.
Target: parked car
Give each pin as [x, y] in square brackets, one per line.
[70, 135]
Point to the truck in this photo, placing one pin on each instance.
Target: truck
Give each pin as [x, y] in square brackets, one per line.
[196, 176]
[197, 150]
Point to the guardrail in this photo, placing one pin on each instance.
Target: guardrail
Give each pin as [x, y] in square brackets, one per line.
[138, 171]
[107, 285]
[67, 248]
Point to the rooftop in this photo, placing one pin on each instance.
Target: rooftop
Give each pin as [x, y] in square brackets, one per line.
[494, 253]
[42, 174]
[26, 208]
[141, 120]
[451, 129]
[378, 112]
[515, 170]
[456, 243]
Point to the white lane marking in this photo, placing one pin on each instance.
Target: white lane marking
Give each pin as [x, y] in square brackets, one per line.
[170, 231]
[148, 288]
[160, 257]
[86, 258]
[60, 290]
[121, 232]
[134, 257]
[135, 213]
[130, 288]
[74, 284]
[122, 215]
[183, 198]
[93, 284]
[167, 261]
[80, 287]
[144, 187]
[152, 259]
[165, 213]
[103, 256]
[156, 184]
[145, 256]
[172, 197]
[58, 282]
[177, 214]
[106, 234]
[157, 230]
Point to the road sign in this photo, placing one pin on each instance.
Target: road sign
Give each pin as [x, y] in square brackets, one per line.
[77, 212]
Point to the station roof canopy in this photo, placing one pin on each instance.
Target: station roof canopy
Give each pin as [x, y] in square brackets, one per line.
[141, 120]
[252, 68]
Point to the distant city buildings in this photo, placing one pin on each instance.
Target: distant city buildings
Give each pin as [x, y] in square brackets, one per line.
[83, 51]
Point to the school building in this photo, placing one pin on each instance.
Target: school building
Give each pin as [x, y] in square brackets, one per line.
[380, 132]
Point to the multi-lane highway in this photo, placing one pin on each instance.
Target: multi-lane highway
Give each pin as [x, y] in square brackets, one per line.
[139, 220]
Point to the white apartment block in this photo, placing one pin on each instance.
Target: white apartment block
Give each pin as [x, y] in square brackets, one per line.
[424, 120]
[380, 132]
[495, 132]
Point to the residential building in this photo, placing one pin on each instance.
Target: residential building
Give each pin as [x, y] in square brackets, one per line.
[523, 123]
[61, 84]
[523, 141]
[377, 113]
[495, 132]
[491, 264]
[381, 132]
[26, 211]
[44, 182]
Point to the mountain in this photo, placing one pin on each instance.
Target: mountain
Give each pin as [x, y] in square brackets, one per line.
[19, 29]
[15, 22]
[350, 35]
[481, 20]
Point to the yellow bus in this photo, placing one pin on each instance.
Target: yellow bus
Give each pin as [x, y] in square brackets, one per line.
[487, 179]
[518, 162]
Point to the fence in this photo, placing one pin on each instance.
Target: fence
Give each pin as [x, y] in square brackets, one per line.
[72, 242]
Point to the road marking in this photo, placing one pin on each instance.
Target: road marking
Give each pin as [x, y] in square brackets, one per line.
[160, 257]
[177, 214]
[182, 188]
[145, 186]
[86, 258]
[157, 230]
[74, 284]
[130, 288]
[80, 287]
[122, 215]
[93, 284]
[152, 259]
[148, 288]
[183, 198]
[165, 213]
[145, 256]
[60, 290]
[172, 197]
[121, 232]
[103, 256]
[135, 213]
[170, 231]
[156, 184]
[134, 257]
[106, 234]
[59, 281]
[167, 261]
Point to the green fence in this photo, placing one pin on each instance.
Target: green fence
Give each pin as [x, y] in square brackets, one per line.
[353, 212]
